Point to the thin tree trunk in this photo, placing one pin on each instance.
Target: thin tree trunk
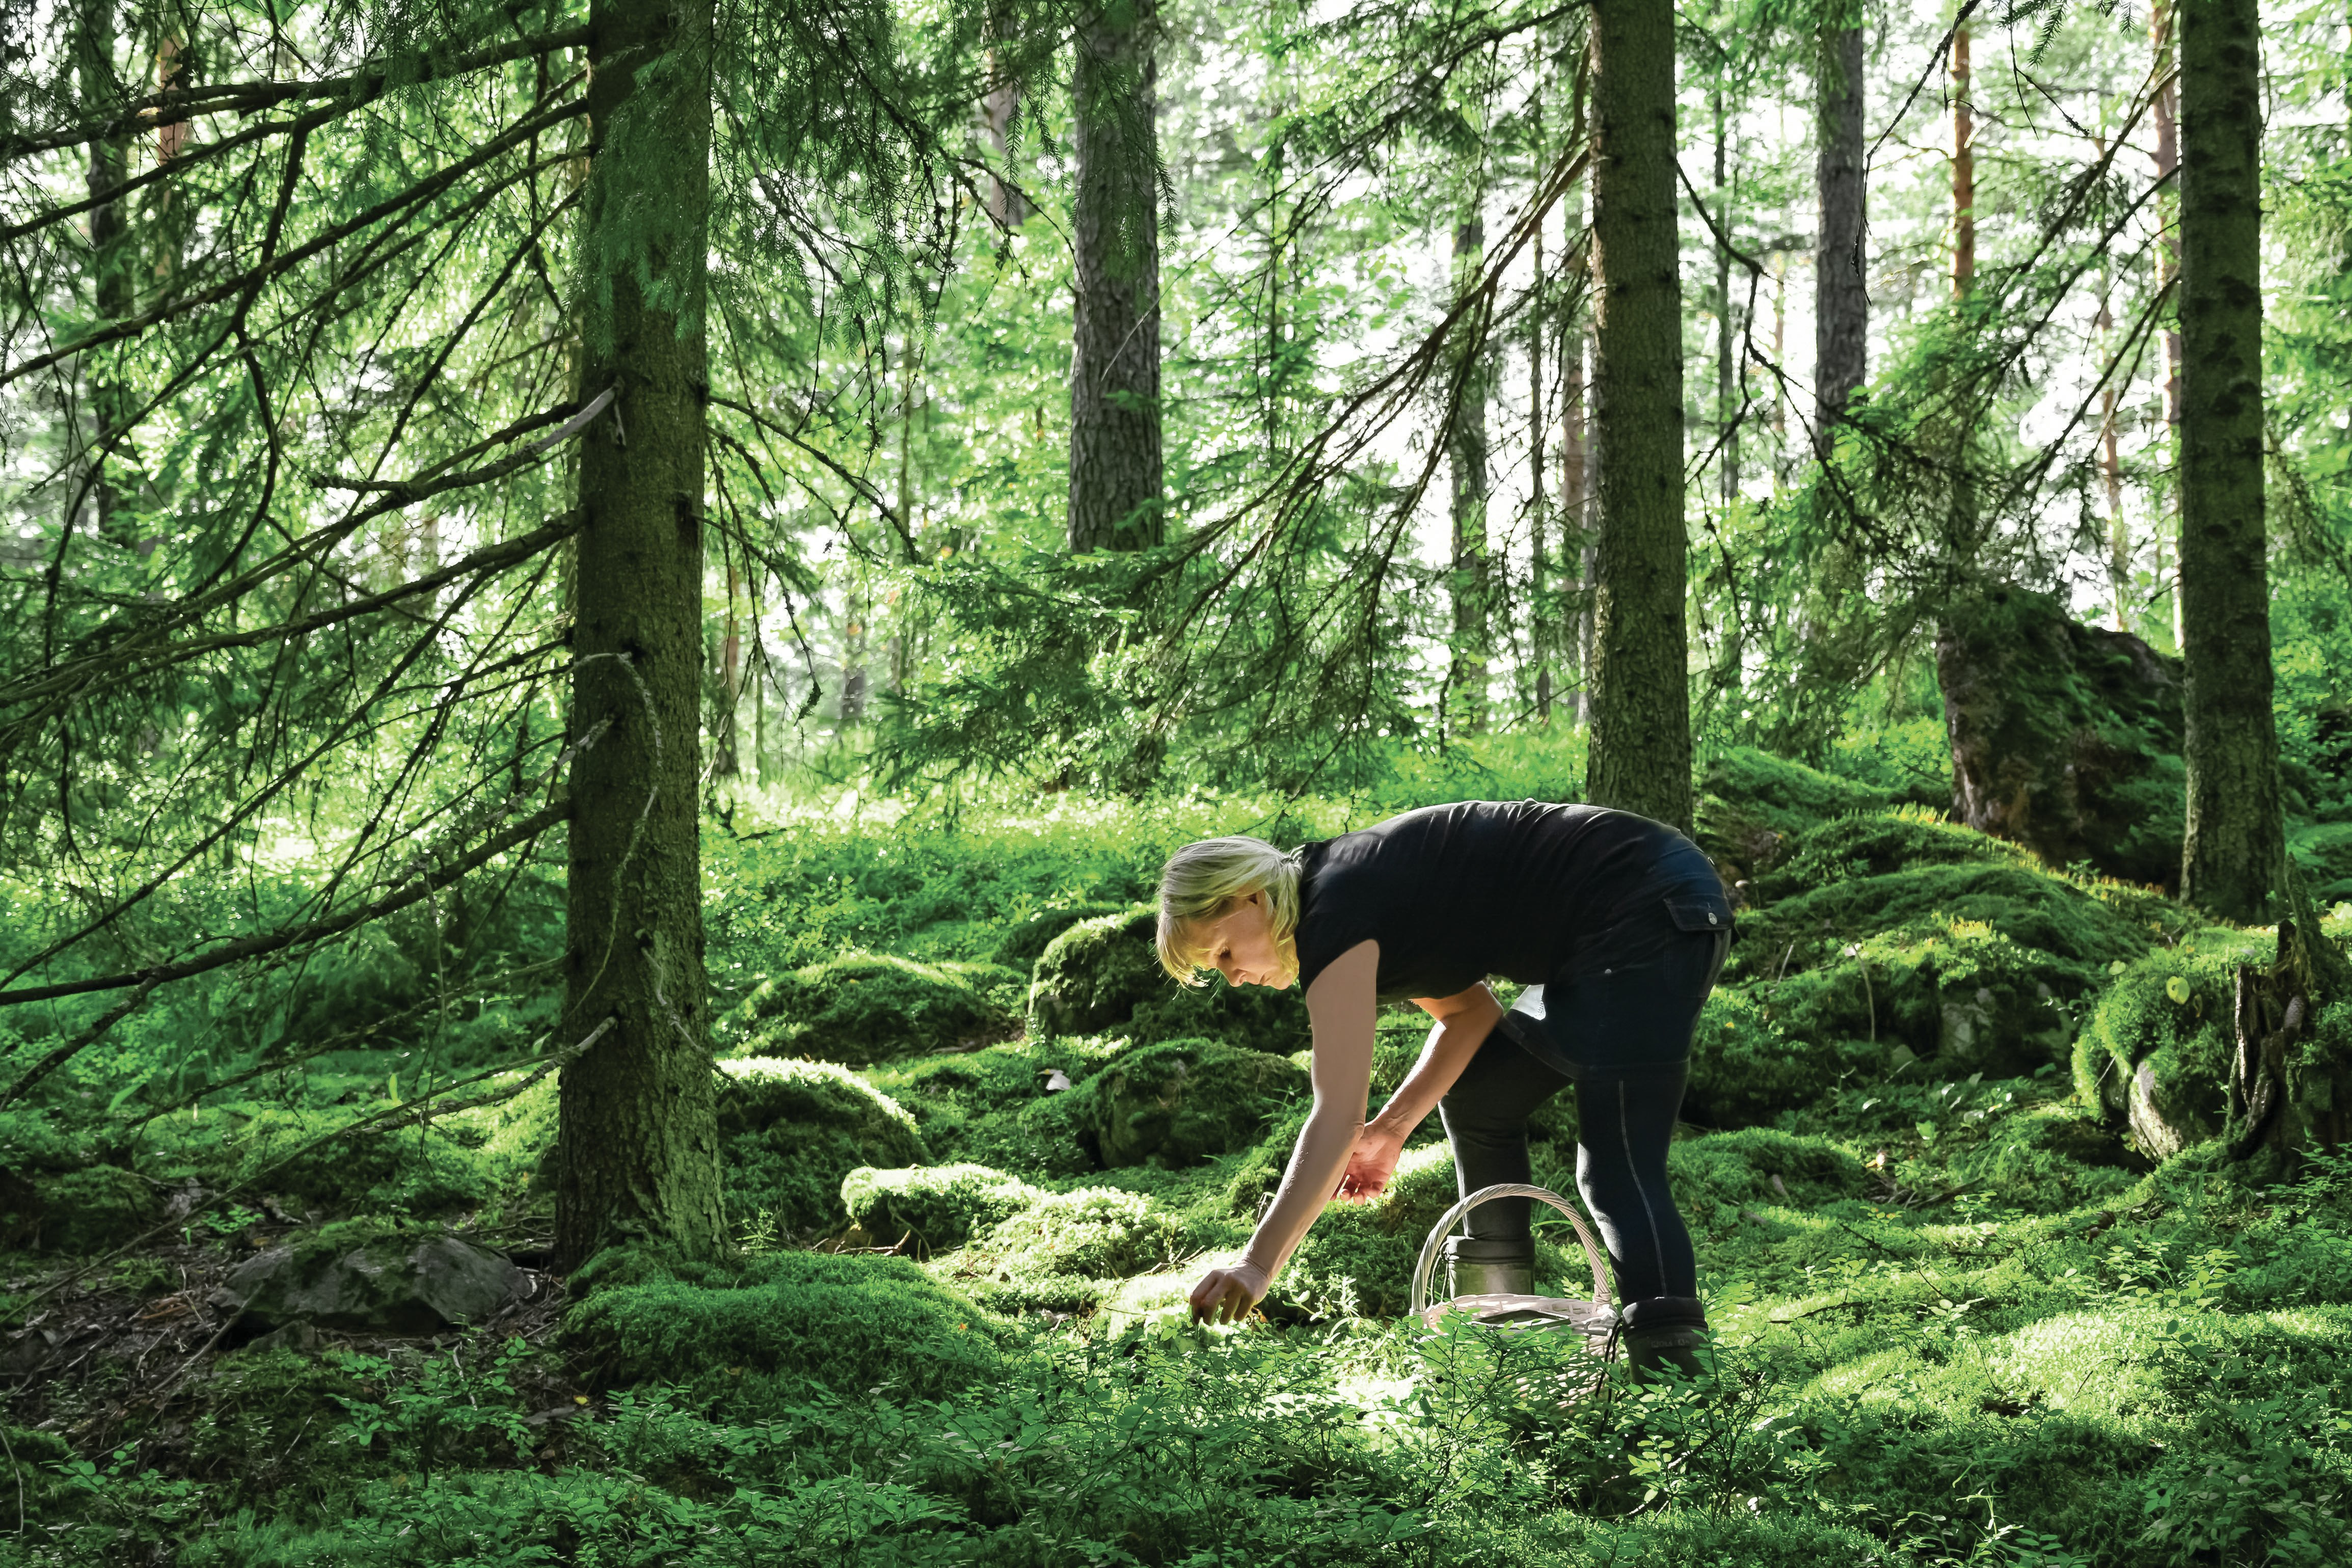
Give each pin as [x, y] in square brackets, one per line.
[1465, 681]
[997, 110]
[109, 259]
[1116, 477]
[2111, 465]
[2235, 835]
[730, 673]
[2166, 112]
[1641, 742]
[1842, 283]
[1539, 500]
[1726, 363]
[1575, 486]
[640, 1149]
[1964, 170]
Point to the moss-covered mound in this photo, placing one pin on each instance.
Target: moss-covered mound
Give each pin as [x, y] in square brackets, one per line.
[998, 1107]
[794, 1131]
[933, 1207]
[431, 1170]
[1025, 940]
[792, 1320]
[1068, 1251]
[861, 1007]
[1179, 1101]
[1752, 806]
[1102, 976]
[2157, 1054]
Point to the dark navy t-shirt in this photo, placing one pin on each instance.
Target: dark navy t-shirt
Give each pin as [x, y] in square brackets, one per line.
[1517, 889]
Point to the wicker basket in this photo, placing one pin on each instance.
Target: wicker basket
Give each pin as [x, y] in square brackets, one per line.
[1595, 1319]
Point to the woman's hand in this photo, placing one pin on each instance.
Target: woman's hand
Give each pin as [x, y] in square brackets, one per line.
[1226, 1295]
[1370, 1165]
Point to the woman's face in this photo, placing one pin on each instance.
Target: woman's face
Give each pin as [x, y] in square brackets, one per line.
[1239, 944]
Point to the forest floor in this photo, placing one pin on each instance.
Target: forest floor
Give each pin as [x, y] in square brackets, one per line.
[1969, 1310]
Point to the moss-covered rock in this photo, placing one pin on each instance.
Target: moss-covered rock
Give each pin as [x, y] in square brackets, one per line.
[92, 1209]
[366, 1277]
[861, 1007]
[1179, 1101]
[1025, 940]
[2066, 738]
[793, 1320]
[935, 1207]
[2157, 1054]
[1746, 1068]
[1066, 1252]
[794, 1130]
[1104, 975]
[1752, 806]
[998, 1107]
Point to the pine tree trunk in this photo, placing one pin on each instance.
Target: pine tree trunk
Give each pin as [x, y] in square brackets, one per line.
[1842, 283]
[2165, 111]
[1115, 478]
[1641, 743]
[1466, 680]
[2235, 836]
[638, 1129]
[1964, 171]
[997, 110]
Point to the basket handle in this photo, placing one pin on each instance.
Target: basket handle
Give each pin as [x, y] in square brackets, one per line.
[1429, 1249]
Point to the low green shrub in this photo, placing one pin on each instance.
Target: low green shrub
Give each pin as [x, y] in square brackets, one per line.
[795, 1322]
[934, 1206]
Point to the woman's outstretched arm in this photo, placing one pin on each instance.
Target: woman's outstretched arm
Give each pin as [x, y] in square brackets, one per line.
[1463, 1022]
[1341, 1008]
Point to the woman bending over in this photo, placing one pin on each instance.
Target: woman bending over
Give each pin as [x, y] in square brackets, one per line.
[1616, 924]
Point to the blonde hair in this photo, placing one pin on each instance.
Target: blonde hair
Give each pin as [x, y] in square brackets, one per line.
[1200, 882]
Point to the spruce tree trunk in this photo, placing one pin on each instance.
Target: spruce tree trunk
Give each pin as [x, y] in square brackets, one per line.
[110, 258]
[1641, 742]
[2165, 113]
[1842, 283]
[2235, 836]
[1466, 680]
[1964, 170]
[640, 1148]
[1114, 451]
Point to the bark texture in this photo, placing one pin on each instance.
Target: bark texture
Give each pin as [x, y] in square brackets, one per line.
[1116, 475]
[1964, 170]
[1466, 454]
[1841, 283]
[640, 1147]
[2235, 836]
[1641, 744]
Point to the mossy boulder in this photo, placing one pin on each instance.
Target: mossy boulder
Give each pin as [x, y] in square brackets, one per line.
[2156, 1057]
[2066, 738]
[1026, 939]
[1178, 1102]
[1752, 806]
[792, 1130]
[1066, 1252]
[998, 1107]
[790, 1322]
[934, 1206]
[861, 1007]
[1746, 1068]
[92, 1209]
[1103, 976]
[365, 1277]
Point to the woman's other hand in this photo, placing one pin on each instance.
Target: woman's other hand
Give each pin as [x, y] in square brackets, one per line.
[1226, 1295]
[1370, 1165]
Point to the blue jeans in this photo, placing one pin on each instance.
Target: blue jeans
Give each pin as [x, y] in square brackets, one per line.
[1619, 1026]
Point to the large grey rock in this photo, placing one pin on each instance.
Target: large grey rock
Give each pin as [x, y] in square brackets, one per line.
[387, 1284]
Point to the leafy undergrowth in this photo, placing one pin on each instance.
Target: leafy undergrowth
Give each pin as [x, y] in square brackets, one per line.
[1975, 1304]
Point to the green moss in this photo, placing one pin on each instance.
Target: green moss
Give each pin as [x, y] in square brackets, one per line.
[794, 1130]
[425, 1170]
[1179, 1101]
[796, 1320]
[1739, 1167]
[2158, 1050]
[1746, 1066]
[1025, 940]
[1358, 1259]
[95, 1208]
[255, 1411]
[1752, 806]
[1104, 975]
[861, 1007]
[936, 1207]
[994, 1108]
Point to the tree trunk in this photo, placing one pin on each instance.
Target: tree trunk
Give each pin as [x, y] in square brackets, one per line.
[1842, 283]
[1641, 743]
[2234, 832]
[997, 110]
[639, 1131]
[1726, 372]
[1465, 679]
[2290, 1086]
[1964, 171]
[1539, 496]
[1115, 452]
[2166, 112]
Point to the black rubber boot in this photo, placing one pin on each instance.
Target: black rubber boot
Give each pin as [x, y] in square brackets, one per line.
[1665, 1331]
[1476, 1267]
